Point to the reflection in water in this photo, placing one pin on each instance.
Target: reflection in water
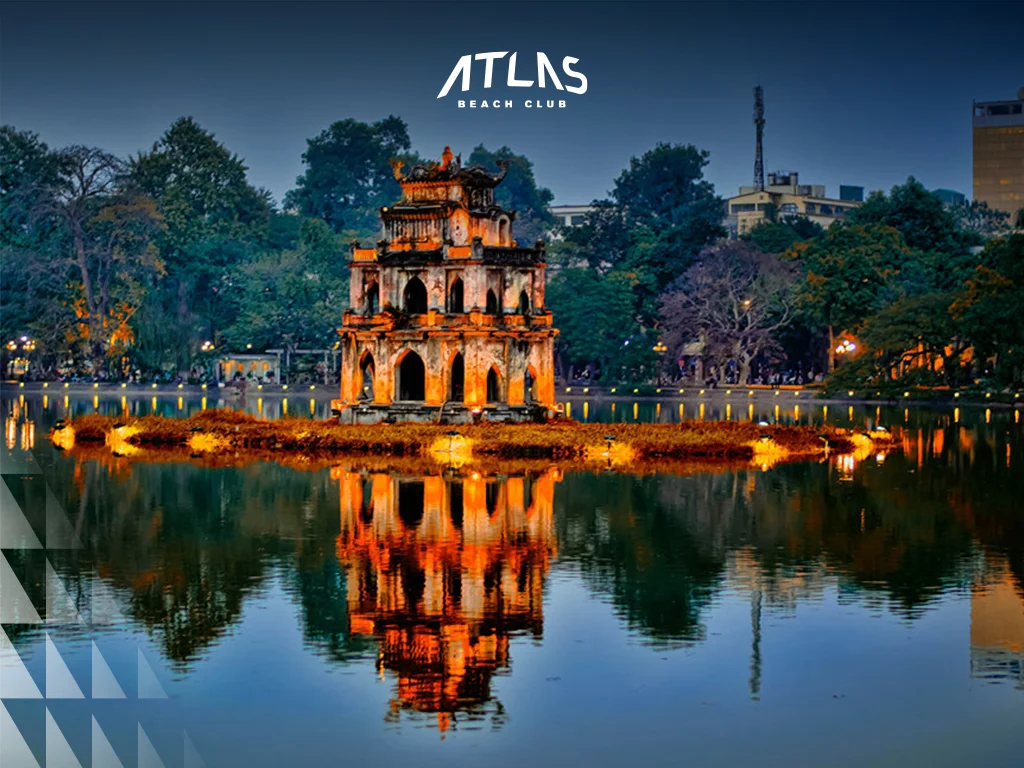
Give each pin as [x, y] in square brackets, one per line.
[442, 570]
[430, 575]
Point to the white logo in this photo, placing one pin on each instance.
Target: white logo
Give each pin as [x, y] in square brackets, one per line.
[545, 71]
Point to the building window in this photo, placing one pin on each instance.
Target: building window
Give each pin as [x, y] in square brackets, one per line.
[414, 298]
[789, 208]
[810, 209]
[455, 297]
[492, 303]
[825, 210]
[576, 221]
[743, 208]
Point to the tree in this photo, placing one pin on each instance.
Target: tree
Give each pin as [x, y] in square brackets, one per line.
[518, 192]
[776, 237]
[291, 298]
[348, 177]
[849, 274]
[734, 301]
[108, 250]
[596, 320]
[921, 217]
[669, 209]
[977, 220]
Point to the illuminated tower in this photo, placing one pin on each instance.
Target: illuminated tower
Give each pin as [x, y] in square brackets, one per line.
[447, 318]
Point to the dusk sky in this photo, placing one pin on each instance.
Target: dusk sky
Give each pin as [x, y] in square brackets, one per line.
[856, 93]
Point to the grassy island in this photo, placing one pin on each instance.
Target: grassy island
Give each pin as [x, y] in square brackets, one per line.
[232, 432]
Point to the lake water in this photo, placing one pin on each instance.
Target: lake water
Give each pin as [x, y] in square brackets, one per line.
[860, 610]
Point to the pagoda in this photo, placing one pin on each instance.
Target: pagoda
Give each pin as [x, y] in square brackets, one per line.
[446, 319]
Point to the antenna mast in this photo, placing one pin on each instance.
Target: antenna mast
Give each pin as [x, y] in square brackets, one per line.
[759, 152]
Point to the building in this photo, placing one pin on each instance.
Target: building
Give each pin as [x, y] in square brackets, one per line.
[999, 154]
[784, 196]
[447, 318]
[570, 215]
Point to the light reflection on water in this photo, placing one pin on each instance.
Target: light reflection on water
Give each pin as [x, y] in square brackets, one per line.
[490, 612]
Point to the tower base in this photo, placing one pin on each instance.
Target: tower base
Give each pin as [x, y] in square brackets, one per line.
[449, 413]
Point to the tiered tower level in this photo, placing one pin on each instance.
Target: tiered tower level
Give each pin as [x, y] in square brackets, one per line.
[447, 318]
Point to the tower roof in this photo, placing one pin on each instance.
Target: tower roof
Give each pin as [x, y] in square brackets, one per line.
[449, 170]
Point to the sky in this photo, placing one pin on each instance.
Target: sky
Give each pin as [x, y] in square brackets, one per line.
[858, 93]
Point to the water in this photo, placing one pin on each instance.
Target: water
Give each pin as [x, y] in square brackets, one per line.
[863, 610]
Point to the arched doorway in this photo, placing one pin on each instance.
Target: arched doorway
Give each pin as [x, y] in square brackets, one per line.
[530, 385]
[367, 369]
[411, 378]
[492, 303]
[414, 297]
[456, 304]
[372, 299]
[524, 303]
[493, 386]
[457, 381]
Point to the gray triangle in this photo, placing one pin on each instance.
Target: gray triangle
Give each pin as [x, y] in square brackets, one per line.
[13, 747]
[149, 685]
[15, 531]
[104, 684]
[15, 680]
[60, 608]
[15, 607]
[60, 683]
[58, 752]
[192, 758]
[148, 757]
[18, 462]
[103, 609]
[59, 533]
[103, 754]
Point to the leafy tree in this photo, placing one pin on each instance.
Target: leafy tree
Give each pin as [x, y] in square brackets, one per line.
[518, 192]
[921, 217]
[348, 177]
[977, 221]
[596, 320]
[776, 237]
[849, 274]
[290, 298]
[734, 301]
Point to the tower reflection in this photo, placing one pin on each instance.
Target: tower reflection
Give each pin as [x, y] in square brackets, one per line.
[443, 570]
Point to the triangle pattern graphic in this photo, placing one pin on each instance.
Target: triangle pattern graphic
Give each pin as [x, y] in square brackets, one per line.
[15, 531]
[15, 607]
[13, 747]
[58, 752]
[20, 463]
[104, 608]
[103, 754]
[60, 608]
[15, 680]
[192, 758]
[149, 685]
[104, 684]
[148, 757]
[60, 683]
[59, 533]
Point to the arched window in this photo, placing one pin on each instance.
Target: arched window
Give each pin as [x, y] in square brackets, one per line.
[492, 303]
[455, 297]
[366, 375]
[411, 378]
[414, 297]
[524, 304]
[457, 382]
[503, 232]
[530, 385]
[372, 299]
[493, 386]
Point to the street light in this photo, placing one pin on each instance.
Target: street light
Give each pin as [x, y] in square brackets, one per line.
[659, 349]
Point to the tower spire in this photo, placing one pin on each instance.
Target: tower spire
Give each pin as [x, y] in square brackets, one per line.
[759, 150]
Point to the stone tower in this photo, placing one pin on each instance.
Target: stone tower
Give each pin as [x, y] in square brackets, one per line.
[446, 319]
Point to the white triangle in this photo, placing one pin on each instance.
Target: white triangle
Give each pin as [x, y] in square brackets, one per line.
[104, 684]
[103, 754]
[60, 608]
[192, 758]
[15, 607]
[149, 685]
[15, 680]
[59, 533]
[13, 747]
[104, 608]
[15, 532]
[148, 757]
[60, 683]
[58, 752]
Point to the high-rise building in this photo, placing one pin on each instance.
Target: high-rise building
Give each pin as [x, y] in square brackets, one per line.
[999, 154]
